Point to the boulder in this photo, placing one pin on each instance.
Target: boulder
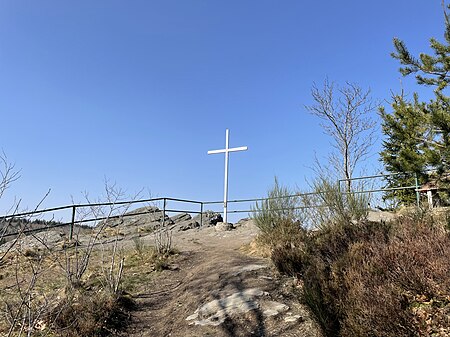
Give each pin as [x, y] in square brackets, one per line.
[183, 222]
[182, 217]
[223, 226]
[209, 218]
[185, 225]
[139, 217]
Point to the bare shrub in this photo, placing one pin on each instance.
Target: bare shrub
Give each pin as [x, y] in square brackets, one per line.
[163, 241]
[25, 302]
[8, 173]
[105, 208]
[286, 244]
[278, 218]
[113, 269]
[139, 245]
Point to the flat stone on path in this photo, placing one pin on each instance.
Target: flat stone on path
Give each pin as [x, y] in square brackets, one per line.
[215, 312]
[249, 267]
[274, 308]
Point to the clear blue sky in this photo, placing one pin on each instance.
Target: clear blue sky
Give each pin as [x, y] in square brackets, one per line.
[139, 91]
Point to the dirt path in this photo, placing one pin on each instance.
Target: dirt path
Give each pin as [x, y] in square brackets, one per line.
[239, 295]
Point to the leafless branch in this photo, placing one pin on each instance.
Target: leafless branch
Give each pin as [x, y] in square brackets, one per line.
[345, 114]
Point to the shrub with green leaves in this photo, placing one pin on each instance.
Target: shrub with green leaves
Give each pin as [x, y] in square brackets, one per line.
[330, 204]
[280, 205]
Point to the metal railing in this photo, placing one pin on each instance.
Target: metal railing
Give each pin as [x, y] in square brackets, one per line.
[199, 207]
[74, 208]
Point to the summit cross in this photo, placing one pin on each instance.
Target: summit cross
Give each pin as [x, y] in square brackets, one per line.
[227, 150]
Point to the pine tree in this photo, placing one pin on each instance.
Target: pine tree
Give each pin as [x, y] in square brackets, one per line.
[433, 71]
[403, 149]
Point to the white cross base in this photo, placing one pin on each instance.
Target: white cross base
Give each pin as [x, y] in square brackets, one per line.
[227, 150]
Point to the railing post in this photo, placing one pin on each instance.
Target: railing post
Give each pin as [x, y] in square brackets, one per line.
[201, 215]
[164, 213]
[339, 188]
[72, 224]
[417, 189]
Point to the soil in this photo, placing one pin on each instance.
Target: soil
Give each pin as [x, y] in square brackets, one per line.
[212, 266]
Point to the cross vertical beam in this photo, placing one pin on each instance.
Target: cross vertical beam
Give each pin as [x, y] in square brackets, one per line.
[225, 187]
[227, 150]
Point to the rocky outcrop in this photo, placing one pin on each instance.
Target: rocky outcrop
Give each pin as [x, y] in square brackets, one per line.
[138, 222]
[138, 217]
[184, 221]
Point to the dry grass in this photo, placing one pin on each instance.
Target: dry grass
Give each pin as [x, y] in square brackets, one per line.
[91, 313]
[36, 299]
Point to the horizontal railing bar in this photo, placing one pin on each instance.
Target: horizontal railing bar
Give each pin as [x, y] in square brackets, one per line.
[412, 174]
[261, 199]
[35, 212]
[185, 200]
[181, 211]
[382, 190]
[374, 176]
[117, 203]
[309, 194]
[189, 201]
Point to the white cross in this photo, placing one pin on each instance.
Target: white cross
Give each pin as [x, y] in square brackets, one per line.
[227, 150]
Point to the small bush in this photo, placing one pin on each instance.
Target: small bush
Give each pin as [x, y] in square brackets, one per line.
[329, 204]
[91, 314]
[288, 259]
[286, 243]
[161, 264]
[139, 245]
[279, 206]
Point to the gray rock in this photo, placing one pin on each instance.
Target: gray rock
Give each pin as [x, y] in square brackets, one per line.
[248, 268]
[246, 222]
[223, 226]
[215, 312]
[292, 318]
[38, 241]
[209, 218]
[182, 217]
[139, 217]
[272, 308]
[186, 225]
[241, 222]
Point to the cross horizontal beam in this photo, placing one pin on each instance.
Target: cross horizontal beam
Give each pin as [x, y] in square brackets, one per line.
[234, 149]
